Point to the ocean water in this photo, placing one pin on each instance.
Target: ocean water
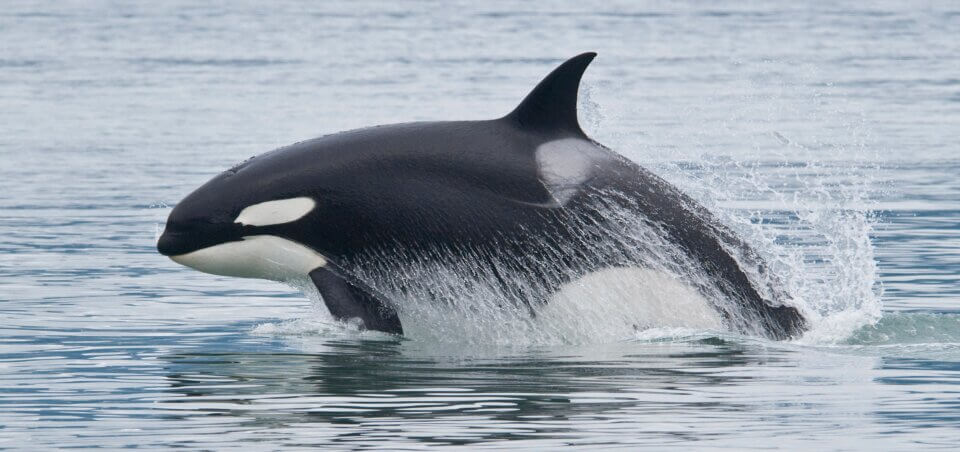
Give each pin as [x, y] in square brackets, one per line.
[825, 133]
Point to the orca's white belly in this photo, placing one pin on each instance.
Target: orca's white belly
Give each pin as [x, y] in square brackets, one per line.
[621, 300]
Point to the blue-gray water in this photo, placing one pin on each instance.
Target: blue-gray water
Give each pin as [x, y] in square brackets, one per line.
[826, 133]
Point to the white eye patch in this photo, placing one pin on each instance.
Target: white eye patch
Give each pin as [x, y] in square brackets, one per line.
[276, 212]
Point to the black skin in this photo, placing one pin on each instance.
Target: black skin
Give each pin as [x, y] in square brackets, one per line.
[475, 184]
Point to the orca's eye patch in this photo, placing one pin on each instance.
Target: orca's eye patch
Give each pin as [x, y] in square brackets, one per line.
[276, 212]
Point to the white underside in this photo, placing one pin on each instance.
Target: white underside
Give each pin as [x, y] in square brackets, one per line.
[259, 256]
[623, 299]
[634, 298]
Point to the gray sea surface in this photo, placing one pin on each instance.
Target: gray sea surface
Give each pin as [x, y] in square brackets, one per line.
[825, 133]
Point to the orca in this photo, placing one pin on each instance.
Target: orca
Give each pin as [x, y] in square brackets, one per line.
[528, 199]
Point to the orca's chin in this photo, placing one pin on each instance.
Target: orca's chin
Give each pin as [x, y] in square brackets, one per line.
[259, 256]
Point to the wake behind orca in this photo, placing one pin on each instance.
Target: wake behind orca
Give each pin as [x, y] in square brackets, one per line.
[526, 204]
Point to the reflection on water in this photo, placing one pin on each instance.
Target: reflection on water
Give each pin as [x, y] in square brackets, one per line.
[214, 387]
[356, 391]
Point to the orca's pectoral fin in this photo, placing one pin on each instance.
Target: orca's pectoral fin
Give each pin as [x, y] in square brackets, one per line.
[347, 300]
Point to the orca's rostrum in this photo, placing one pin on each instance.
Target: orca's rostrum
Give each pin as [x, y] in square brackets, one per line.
[528, 195]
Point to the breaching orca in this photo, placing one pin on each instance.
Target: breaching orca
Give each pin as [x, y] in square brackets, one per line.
[528, 199]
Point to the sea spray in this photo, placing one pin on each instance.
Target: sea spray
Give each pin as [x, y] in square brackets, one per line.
[806, 220]
[804, 199]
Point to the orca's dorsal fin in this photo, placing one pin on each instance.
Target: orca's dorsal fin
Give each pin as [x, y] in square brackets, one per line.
[552, 105]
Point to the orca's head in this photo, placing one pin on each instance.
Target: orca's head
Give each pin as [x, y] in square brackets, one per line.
[243, 223]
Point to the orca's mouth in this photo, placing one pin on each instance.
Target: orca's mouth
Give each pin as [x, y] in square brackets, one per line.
[183, 238]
